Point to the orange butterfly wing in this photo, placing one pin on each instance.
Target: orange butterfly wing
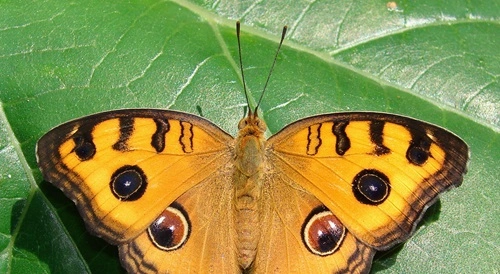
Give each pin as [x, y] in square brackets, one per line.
[122, 168]
[376, 172]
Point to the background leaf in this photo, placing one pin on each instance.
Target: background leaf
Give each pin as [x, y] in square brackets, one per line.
[433, 60]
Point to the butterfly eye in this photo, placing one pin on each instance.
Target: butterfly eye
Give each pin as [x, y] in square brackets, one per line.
[128, 183]
[261, 125]
[371, 187]
[242, 123]
[171, 229]
[322, 232]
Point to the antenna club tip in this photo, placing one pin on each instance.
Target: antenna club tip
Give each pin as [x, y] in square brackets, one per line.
[285, 28]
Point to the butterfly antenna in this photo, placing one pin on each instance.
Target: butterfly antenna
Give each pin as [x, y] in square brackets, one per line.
[283, 33]
[241, 67]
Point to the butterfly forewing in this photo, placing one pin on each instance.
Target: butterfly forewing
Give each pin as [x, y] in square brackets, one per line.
[122, 168]
[376, 172]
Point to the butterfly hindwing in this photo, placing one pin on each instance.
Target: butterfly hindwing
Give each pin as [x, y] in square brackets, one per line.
[376, 172]
[301, 235]
[122, 168]
[209, 245]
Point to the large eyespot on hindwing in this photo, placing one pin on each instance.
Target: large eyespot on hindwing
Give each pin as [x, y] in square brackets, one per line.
[128, 183]
[171, 229]
[371, 187]
[322, 233]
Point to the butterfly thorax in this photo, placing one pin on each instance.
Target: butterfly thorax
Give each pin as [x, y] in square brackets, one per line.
[249, 157]
[250, 145]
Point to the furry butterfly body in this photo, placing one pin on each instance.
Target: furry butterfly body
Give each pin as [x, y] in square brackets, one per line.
[177, 194]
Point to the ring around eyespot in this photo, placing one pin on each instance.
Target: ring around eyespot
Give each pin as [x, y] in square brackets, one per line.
[171, 229]
[128, 183]
[322, 233]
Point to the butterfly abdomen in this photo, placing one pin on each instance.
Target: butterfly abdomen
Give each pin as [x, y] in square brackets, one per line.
[247, 217]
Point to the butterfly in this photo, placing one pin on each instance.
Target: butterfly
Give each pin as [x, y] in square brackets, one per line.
[178, 194]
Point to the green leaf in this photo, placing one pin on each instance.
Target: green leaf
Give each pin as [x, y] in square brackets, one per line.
[432, 60]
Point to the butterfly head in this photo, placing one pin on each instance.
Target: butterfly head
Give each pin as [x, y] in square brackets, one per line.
[252, 125]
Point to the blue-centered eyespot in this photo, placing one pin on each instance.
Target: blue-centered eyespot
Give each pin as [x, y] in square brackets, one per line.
[128, 183]
[371, 187]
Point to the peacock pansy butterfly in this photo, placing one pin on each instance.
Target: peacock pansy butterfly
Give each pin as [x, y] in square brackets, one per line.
[177, 194]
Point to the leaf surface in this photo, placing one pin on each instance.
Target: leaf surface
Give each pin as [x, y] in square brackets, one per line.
[432, 60]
